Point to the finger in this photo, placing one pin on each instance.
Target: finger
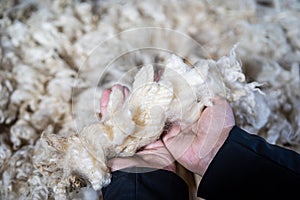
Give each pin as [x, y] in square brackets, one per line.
[106, 96]
[173, 131]
[179, 142]
[125, 91]
[156, 154]
[212, 125]
[159, 158]
[155, 160]
[122, 163]
[104, 101]
[219, 115]
[118, 86]
[154, 145]
[222, 111]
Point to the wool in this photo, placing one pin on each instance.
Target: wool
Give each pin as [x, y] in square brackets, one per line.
[58, 56]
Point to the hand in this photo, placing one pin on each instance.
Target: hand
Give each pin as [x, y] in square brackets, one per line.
[105, 98]
[195, 148]
[154, 155]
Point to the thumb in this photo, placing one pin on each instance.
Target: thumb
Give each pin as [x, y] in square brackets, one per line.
[178, 141]
[171, 133]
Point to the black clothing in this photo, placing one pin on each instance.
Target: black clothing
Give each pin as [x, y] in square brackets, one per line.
[245, 167]
[151, 185]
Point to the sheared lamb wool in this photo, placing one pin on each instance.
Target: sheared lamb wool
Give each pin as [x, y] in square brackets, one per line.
[177, 97]
[56, 57]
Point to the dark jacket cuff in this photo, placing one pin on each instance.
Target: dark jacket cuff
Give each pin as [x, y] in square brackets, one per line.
[145, 184]
[247, 167]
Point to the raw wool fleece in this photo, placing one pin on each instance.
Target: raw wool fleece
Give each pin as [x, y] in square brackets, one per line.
[44, 43]
[178, 96]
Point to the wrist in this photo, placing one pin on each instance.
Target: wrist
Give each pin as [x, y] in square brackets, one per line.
[205, 161]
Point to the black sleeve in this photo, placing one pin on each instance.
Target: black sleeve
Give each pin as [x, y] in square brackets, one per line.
[247, 167]
[145, 184]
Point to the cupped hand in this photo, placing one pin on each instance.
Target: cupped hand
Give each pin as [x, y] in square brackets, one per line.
[195, 148]
[154, 155]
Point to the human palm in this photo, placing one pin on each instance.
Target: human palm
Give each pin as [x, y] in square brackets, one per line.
[195, 147]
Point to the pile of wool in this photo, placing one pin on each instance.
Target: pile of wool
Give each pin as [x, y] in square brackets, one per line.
[48, 47]
[177, 96]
